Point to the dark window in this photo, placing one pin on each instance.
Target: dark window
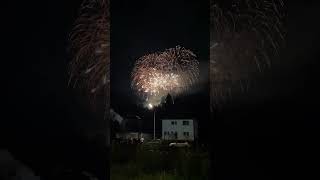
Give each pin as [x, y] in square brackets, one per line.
[186, 133]
[185, 123]
[172, 122]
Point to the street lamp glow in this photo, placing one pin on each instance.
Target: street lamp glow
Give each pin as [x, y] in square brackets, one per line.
[150, 106]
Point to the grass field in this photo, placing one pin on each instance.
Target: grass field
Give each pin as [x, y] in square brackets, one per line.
[140, 162]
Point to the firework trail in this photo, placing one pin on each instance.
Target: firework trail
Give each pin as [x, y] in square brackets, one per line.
[156, 75]
[244, 36]
[90, 47]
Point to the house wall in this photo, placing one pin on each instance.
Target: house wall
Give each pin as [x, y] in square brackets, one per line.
[178, 128]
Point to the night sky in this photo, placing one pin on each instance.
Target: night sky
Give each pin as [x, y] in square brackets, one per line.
[143, 27]
[41, 115]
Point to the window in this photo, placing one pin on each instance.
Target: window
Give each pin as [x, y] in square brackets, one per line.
[173, 122]
[185, 123]
[186, 133]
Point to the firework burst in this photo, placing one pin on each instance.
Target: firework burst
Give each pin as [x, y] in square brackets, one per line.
[172, 71]
[244, 37]
[90, 47]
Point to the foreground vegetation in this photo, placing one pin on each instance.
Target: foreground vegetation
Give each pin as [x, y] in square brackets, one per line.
[140, 162]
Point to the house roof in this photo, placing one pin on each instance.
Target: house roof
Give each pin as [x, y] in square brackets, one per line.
[180, 119]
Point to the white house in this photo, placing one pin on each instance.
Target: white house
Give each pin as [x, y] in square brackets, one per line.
[178, 129]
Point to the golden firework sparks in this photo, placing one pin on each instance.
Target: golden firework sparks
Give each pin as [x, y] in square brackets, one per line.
[172, 71]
